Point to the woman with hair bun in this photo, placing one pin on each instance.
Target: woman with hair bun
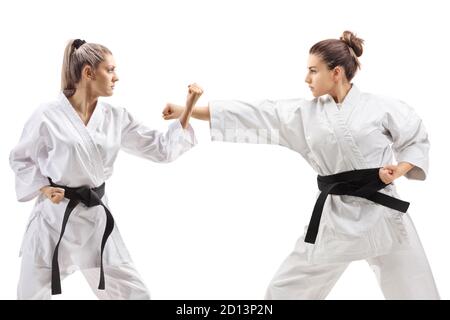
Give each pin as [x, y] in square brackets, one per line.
[65, 155]
[350, 138]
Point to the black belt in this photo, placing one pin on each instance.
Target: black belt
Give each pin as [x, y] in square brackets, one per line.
[363, 183]
[90, 197]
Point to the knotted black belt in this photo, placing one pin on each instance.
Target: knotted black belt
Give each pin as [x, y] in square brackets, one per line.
[363, 183]
[90, 197]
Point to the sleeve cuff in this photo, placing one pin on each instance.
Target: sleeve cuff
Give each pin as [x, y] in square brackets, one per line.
[419, 171]
[29, 192]
[187, 134]
[217, 122]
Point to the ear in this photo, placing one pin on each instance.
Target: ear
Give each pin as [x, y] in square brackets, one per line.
[88, 73]
[338, 73]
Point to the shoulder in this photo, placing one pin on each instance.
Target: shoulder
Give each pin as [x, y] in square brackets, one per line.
[115, 112]
[43, 112]
[393, 111]
[386, 103]
[296, 103]
[108, 108]
[292, 110]
[293, 106]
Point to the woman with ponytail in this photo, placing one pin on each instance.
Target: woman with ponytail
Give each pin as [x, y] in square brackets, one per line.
[65, 155]
[350, 138]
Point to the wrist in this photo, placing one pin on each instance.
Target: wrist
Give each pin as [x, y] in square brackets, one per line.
[405, 167]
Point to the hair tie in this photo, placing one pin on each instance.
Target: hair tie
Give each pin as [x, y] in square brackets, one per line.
[78, 43]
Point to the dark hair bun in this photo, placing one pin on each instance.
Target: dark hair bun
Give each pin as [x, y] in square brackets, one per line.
[353, 42]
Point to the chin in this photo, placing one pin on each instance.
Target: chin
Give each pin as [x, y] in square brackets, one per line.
[108, 94]
[317, 94]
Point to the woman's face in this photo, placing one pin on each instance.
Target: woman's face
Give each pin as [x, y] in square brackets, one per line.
[105, 77]
[319, 78]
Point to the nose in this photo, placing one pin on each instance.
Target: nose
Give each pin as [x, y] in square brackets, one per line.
[307, 79]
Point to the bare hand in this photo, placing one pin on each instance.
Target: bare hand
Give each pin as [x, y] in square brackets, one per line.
[54, 194]
[172, 111]
[389, 173]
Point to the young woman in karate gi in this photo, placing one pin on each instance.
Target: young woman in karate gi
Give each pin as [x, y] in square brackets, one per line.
[74, 141]
[341, 130]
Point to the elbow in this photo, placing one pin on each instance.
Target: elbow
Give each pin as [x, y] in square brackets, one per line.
[162, 156]
[169, 157]
[26, 197]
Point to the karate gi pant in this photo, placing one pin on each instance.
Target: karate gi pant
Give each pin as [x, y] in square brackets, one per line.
[122, 282]
[402, 275]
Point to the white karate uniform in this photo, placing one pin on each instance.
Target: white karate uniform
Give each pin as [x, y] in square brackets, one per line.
[366, 131]
[55, 143]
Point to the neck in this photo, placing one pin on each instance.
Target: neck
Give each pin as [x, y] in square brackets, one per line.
[341, 91]
[83, 101]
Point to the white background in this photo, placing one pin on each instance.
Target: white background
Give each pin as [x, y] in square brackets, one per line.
[218, 222]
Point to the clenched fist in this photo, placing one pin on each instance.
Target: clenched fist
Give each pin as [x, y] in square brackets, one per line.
[390, 172]
[172, 111]
[54, 194]
[194, 92]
